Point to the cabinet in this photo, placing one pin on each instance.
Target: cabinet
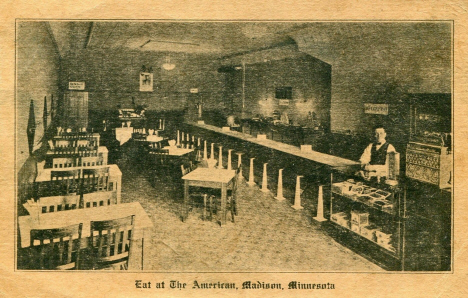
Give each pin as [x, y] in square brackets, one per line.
[75, 110]
[369, 217]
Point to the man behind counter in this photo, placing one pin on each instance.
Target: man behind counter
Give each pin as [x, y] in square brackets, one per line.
[375, 155]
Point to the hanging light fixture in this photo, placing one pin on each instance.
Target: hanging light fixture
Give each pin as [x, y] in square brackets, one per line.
[168, 65]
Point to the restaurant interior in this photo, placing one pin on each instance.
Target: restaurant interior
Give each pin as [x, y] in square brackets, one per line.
[214, 146]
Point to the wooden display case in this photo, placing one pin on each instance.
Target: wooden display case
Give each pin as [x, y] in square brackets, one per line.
[429, 153]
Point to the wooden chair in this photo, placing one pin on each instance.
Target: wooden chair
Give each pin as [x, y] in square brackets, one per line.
[159, 158]
[63, 143]
[58, 248]
[64, 162]
[90, 151]
[82, 143]
[90, 161]
[58, 203]
[94, 180]
[93, 141]
[139, 134]
[111, 243]
[64, 151]
[155, 145]
[65, 182]
[231, 203]
[188, 167]
[185, 170]
[98, 199]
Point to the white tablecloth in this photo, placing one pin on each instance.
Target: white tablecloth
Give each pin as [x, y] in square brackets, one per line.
[123, 134]
[154, 138]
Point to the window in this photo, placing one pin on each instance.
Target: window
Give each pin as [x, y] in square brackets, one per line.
[283, 93]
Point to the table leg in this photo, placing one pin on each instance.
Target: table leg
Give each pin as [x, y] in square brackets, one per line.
[186, 198]
[223, 203]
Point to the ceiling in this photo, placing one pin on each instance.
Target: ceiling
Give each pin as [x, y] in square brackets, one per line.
[332, 42]
[217, 38]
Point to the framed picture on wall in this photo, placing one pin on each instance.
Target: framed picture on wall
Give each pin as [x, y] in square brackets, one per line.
[146, 81]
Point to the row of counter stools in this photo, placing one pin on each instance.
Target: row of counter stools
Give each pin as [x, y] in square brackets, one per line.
[201, 145]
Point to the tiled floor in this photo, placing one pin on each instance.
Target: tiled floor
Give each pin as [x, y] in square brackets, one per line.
[267, 236]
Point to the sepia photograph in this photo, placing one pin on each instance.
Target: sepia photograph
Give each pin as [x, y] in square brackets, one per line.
[234, 147]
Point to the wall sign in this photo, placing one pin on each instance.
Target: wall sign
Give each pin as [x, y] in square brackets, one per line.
[76, 85]
[284, 102]
[376, 108]
[146, 81]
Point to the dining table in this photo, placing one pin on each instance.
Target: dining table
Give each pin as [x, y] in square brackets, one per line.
[85, 216]
[44, 176]
[208, 178]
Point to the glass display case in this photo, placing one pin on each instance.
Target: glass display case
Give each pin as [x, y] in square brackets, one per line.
[369, 216]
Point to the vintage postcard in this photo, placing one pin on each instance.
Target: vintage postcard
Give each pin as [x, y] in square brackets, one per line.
[230, 153]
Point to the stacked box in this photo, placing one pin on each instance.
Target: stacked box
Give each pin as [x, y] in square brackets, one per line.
[355, 228]
[383, 238]
[365, 199]
[383, 205]
[357, 189]
[369, 232]
[342, 187]
[384, 194]
[341, 218]
[368, 190]
[359, 218]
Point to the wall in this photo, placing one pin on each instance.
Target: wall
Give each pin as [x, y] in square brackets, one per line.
[112, 78]
[309, 78]
[379, 62]
[38, 69]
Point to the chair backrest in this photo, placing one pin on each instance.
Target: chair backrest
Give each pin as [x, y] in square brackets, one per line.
[95, 180]
[58, 203]
[57, 248]
[185, 170]
[98, 199]
[65, 182]
[155, 145]
[87, 151]
[82, 143]
[139, 133]
[63, 143]
[90, 161]
[159, 156]
[234, 181]
[139, 130]
[65, 151]
[64, 162]
[111, 241]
